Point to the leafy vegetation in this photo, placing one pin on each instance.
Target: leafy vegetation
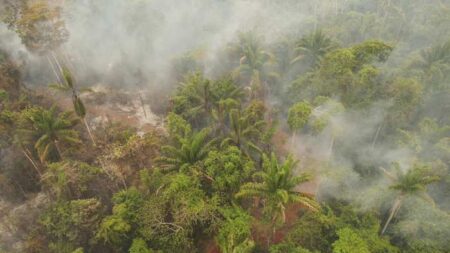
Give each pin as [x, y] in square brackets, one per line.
[271, 141]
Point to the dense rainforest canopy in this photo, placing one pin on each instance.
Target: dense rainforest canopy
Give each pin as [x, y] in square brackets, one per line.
[224, 126]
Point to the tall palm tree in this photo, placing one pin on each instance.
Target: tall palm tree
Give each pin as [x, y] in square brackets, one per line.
[254, 62]
[313, 47]
[408, 184]
[437, 54]
[227, 96]
[186, 150]
[434, 63]
[78, 105]
[276, 186]
[50, 129]
[194, 99]
[244, 132]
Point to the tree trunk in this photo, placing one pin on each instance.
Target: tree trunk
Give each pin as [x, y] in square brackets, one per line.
[393, 212]
[142, 104]
[221, 119]
[122, 177]
[377, 133]
[89, 131]
[27, 155]
[57, 62]
[273, 225]
[67, 61]
[330, 150]
[54, 69]
[293, 137]
[58, 150]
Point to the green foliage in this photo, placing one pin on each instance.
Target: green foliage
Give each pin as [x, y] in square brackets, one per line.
[70, 179]
[186, 183]
[48, 129]
[79, 107]
[253, 62]
[68, 78]
[180, 209]
[248, 129]
[339, 63]
[228, 169]
[276, 185]
[227, 97]
[127, 204]
[287, 247]
[79, 250]
[177, 126]
[187, 149]
[3, 95]
[414, 180]
[115, 228]
[349, 242]
[139, 246]
[424, 228]
[194, 99]
[314, 231]
[298, 115]
[322, 114]
[406, 94]
[346, 72]
[428, 140]
[234, 235]
[433, 65]
[318, 231]
[40, 27]
[412, 183]
[313, 47]
[136, 151]
[199, 99]
[72, 222]
[370, 51]
[188, 63]
[367, 226]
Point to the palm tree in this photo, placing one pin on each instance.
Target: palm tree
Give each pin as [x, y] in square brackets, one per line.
[437, 54]
[78, 105]
[194, 98]
[254, 61]
[227, 96]
[413, 183]
[187, 150]
[434, 63]
[276, 186]
[313, 47]
[26, 152]
[50, 129]
[243, 132]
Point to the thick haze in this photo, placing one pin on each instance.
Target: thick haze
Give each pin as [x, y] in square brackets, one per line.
[113, 40]
[111, 35]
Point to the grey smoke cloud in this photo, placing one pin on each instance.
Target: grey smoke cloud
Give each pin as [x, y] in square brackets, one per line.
[111, 35]
[114, 39]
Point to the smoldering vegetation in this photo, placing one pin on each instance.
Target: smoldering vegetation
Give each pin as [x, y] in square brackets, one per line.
[357, 91]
